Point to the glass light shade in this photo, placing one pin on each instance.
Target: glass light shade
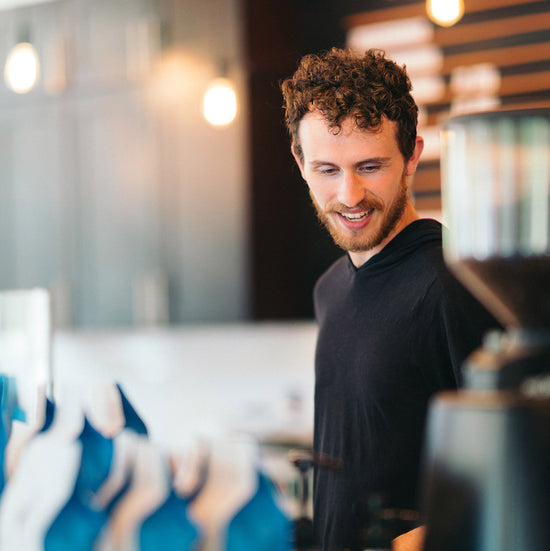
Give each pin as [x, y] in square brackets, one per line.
[22, 68]
[445, 12]
[220, 102]
[495, 174]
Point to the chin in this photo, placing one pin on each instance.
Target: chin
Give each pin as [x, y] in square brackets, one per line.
[354, 245]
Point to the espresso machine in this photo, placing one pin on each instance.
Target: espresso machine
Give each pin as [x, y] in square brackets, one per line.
[486, 474]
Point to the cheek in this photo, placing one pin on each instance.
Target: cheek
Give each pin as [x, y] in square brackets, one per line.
[319, 198]
[316, 190]
[387, 187]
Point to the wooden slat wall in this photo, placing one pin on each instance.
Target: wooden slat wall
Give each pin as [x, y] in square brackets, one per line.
[419, 9]
[511, 85]
[502, 57]
[504, 27]
[512, 35]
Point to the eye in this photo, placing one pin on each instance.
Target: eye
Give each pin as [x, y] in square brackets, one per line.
[326, 170]
[369, 167]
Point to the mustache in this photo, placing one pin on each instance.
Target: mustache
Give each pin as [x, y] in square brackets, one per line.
[366, 205]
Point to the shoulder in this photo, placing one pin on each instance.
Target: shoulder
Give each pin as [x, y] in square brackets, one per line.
[443, 307]
[331, 284]
[337, 272]
[426, 261]
[443, 293]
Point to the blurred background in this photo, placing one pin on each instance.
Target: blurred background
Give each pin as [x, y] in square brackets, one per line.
[167, 217]
[119, 195]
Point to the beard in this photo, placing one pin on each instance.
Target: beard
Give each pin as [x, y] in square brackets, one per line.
[368, 238]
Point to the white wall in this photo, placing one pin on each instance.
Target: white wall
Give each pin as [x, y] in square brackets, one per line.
[200, 381]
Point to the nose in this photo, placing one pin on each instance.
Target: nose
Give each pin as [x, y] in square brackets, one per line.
[351, 191]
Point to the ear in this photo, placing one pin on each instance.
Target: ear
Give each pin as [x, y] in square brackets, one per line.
[412, 163]
[298, 161]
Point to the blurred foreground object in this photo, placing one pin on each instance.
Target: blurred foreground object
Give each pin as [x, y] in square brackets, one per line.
[25, 346]
[487, 477]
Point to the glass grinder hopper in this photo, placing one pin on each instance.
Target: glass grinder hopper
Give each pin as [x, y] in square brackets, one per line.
[487, 461]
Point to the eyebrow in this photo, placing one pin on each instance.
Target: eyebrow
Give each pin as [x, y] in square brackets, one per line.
[374, 160]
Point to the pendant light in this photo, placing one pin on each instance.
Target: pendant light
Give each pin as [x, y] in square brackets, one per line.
[445, 12]
[22, 68]
[220, 101]
[219, 105]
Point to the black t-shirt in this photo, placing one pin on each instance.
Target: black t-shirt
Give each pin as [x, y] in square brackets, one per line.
[391, 333]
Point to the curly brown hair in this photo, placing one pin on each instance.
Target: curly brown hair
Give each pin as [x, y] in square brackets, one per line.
[340, 83]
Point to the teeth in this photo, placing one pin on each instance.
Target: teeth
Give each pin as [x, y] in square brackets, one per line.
[355, 216]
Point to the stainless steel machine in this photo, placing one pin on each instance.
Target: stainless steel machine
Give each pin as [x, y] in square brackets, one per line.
[487, 463]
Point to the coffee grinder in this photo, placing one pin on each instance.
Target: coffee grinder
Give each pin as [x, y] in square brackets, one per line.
[487, 461]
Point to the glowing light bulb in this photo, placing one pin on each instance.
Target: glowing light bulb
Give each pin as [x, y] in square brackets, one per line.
[445, 12]
[22, 68]
[220, 102]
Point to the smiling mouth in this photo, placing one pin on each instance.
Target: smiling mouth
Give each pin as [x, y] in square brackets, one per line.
[356, 216]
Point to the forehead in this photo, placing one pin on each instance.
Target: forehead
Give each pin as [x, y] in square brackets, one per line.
[318, 138]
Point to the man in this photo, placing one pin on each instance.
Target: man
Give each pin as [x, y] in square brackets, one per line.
[394, 325]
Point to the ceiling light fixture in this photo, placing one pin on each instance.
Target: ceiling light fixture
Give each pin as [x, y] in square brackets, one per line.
[445, 12]
[220, 102]
[22, 67]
